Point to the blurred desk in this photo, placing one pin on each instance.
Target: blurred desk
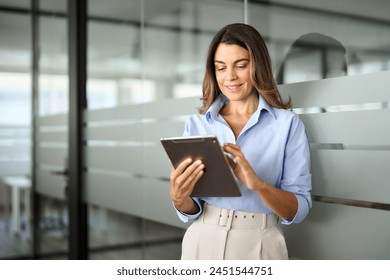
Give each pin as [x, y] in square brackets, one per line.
[20, 185]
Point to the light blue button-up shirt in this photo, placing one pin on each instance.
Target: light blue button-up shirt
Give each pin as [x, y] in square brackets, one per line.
[275, 144]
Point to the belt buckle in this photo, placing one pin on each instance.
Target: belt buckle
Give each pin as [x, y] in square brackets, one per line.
[225, 217]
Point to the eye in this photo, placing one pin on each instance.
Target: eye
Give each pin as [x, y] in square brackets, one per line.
[241, 66]
[219, 69]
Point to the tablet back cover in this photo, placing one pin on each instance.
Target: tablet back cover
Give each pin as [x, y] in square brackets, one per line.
[218, 179]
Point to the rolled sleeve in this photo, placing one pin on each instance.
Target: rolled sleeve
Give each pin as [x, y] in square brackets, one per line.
[297, 177]
[303, 210]
[301, 188]
[184, 217]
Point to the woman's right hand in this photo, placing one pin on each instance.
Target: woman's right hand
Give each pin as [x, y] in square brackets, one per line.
[183, 180]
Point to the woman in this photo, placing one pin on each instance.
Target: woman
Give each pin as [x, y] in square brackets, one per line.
[270, 151]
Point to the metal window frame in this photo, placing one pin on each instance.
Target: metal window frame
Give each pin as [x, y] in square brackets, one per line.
[77, 44]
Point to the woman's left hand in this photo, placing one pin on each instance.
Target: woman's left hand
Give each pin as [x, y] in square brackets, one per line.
[241, 167]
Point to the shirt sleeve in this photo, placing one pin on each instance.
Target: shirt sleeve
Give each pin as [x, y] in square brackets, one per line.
[190, 217]
[297, 176]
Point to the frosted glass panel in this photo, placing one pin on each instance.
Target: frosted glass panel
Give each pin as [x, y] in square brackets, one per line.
[347, 127]
[339, 91]
[52, 154]
[337, 232]
[357, 175]
[125, 158]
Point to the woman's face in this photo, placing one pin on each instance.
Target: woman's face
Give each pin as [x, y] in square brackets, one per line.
[232, 70]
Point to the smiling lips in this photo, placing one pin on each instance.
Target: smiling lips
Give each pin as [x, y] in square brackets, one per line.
[233, 88]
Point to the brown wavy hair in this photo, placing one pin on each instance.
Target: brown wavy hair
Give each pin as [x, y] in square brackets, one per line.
[261, 74]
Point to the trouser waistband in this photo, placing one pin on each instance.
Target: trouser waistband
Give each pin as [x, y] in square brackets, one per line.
[232, 218]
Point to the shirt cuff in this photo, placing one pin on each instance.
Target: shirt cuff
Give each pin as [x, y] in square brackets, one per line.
[184, 217]
[303, 210]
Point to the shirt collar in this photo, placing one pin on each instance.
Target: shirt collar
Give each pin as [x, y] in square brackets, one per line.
[264, 105]
[221, 100]
[216, 106]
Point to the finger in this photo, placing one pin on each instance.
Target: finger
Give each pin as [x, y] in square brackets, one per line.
[181, 181]
[182, 166]
[189, 186]
[241, 162]
[231, 162]
[234, 150]
[192, 167]
[244, 166]
[194, 176]
[189, 175]
[232, 146]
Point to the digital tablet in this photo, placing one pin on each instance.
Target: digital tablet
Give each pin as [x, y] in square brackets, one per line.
[218, 179]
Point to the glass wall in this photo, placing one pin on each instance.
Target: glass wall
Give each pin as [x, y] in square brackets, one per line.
[145, 68]
[312, 40]
[15, 129]
[114, 80]
[144, 56]
[52, 130]
[158, 54]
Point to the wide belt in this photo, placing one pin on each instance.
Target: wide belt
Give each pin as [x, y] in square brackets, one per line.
[233, 219]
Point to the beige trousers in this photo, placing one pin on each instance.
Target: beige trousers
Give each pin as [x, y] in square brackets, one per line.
[223, 234]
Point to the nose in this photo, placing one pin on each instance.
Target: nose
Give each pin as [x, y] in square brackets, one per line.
[231, 74]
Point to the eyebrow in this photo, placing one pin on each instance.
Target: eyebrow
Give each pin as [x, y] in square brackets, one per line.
[235, 62]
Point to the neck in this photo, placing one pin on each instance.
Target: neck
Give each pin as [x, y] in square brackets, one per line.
[241, 108]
